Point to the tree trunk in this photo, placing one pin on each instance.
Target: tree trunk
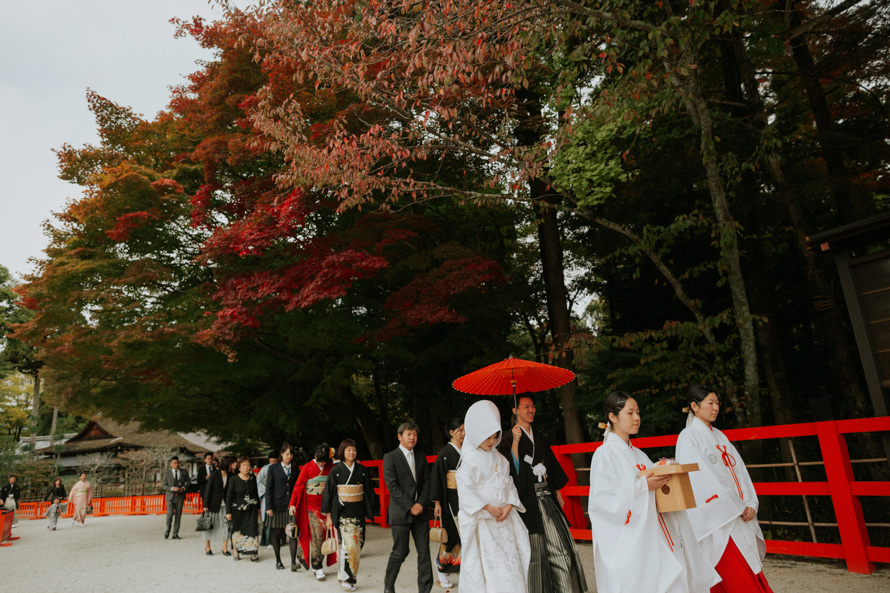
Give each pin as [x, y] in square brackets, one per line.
[529, 132]
[35, 412]
[560, 317]
[52, 428]
[749, 412]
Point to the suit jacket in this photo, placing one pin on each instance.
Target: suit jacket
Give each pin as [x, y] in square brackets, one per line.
[214, 493]
[403, 490]
[203, 476]
[170, 482]
[279, 486]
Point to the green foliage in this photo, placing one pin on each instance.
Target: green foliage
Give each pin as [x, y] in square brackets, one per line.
[590, 165]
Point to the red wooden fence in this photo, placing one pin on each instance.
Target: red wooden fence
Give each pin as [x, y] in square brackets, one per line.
[840, 485]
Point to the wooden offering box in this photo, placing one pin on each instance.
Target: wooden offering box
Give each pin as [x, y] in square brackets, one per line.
[676, 495]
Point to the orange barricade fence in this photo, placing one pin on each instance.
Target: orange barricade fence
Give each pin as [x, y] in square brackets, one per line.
[154, 504]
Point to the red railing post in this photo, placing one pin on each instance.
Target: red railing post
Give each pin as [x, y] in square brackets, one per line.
[571, 502]
[847, 510]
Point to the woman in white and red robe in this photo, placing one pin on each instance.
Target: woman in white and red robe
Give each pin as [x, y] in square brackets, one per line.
[636, 549]
[725, 520]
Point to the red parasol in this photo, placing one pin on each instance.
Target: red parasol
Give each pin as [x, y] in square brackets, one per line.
[512, 376]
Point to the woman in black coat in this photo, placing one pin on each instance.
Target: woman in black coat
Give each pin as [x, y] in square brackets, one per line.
[443, 491]
[242, 506]
[214, 495]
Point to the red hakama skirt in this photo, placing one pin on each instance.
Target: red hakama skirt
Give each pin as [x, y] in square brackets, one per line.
[737, 575]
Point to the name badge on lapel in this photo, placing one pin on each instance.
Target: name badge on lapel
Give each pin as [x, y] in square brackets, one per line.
[528, 459]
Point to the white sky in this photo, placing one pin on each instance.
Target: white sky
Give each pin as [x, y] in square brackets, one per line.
[51, 51]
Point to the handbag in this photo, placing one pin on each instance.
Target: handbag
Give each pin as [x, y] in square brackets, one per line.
[205, 522]
[438, 534]
[330, 544]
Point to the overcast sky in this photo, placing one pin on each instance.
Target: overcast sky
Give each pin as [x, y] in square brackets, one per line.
[51, 51]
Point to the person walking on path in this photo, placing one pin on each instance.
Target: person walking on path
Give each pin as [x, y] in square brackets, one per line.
[636, 548]
[56, 490]
[305, 507]
[348, 502]
[261, 477]
[176, 480]
[555, 565]
[280, 483]
[80, 496]
[53, 512]
[9, 496]
[242, 504]
[496, 553]
[443, 490]
[407, 477]
[204, 472]
[214, 495]
[725, 518]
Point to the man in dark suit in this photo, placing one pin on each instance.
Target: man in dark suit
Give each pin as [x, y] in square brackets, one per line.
[204, 472]
[175, 483]
[407, 477]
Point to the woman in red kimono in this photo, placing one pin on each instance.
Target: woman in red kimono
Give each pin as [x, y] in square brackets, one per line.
[305, 505]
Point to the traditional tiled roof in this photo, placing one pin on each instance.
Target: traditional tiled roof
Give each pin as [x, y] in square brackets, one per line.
[101, 434]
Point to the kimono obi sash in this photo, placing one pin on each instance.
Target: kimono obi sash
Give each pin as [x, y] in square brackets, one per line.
[315, 486]
[350, 492]
[451, 480]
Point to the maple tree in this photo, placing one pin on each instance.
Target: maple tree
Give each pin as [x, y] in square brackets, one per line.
[183, 280]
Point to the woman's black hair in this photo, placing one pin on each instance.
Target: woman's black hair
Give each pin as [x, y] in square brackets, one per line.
[288, 447]
[453, 424]
[697, 394]
[615, 403]
[323, 453]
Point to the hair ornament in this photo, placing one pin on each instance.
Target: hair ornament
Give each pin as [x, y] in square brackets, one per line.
[686, 410]
[602, 426]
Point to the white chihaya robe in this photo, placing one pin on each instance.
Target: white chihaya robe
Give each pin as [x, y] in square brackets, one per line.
[635, 548]
[495, 556]
[722, 490]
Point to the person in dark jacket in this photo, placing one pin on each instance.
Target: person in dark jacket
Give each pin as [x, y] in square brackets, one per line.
[280, 482]
[555, 565]
[9, 497]
[57, 490]
[443, 491]
[214, 495]
[242, 506]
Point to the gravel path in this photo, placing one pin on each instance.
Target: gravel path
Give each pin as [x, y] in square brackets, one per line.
[114, 554]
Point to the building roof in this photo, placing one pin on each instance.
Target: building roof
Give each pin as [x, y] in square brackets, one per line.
[101, 434]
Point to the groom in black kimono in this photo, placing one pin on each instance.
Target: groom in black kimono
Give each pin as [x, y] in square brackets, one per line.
[555, 566]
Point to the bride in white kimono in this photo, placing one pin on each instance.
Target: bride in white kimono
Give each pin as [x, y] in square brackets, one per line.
[496, 550]
[635, 548]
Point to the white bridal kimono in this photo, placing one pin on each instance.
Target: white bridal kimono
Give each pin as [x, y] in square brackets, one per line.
[722, 490]
[495, 556]
[636, 549]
